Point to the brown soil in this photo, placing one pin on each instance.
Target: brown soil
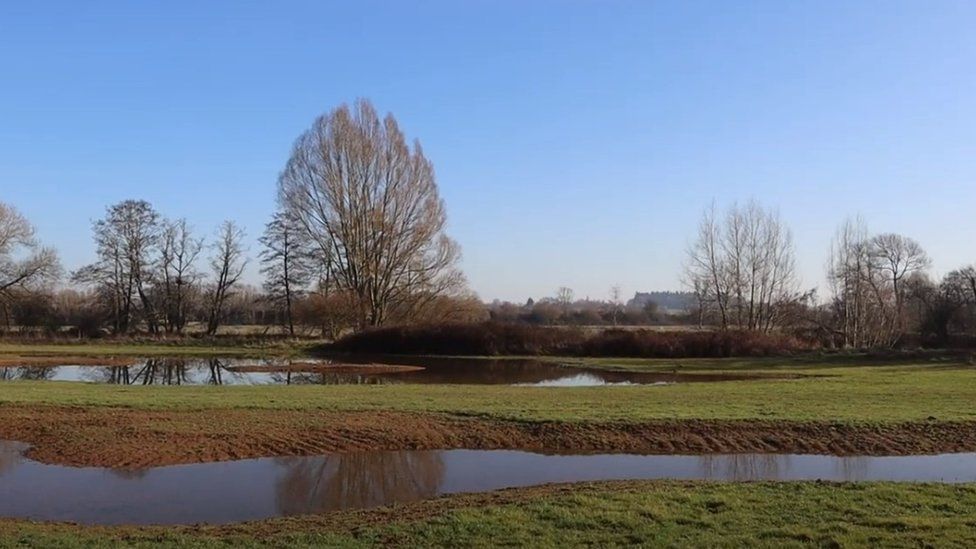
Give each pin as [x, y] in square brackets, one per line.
[314, 367]
[121, 437]
[50, 361]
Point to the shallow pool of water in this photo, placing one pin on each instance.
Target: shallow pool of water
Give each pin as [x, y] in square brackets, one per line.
[218, 371]
[253, 489]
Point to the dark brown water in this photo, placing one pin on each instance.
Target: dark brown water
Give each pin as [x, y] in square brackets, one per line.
[217, 371]
[270, 487]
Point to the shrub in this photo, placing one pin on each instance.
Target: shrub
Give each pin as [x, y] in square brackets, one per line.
[491, 339]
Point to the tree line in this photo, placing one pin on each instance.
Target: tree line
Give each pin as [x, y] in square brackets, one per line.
[741, 268]
[359, 236]
[359, 240]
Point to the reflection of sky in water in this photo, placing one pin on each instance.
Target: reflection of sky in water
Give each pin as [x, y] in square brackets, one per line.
[164, 371]
[252, 489]
[584, 379]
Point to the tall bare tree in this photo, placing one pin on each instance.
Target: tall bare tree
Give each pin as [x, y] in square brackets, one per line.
[897, 257]
[286, 264]
[564, 296]
[179, 251]
[228, 263]
[615, 303]
[25, 266]
[744, 268]
[867, 276]
[369, 203]
[706, 267]
[126, 239]
[966, 278]
[938, 304]
[853, 279]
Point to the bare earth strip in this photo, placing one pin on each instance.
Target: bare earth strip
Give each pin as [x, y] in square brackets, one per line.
[125, 437]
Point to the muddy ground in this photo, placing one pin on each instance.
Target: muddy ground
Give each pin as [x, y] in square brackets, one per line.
[122, 437]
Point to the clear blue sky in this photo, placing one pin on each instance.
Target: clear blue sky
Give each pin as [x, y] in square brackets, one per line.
[575, 142]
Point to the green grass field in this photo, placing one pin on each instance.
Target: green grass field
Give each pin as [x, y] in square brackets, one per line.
[840, 389]
[620, 514]
[945, 390]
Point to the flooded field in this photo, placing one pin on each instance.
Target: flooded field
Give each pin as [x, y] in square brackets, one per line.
[252, 489]
[218, 371]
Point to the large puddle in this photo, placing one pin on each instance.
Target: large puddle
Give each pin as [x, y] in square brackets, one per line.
[271, 487]
[217, 371]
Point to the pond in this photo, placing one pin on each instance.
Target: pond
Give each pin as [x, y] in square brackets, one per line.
[252, 489]
[219, 371]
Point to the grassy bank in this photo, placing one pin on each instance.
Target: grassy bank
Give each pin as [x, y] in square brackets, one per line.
[605, 514]
[911, 392]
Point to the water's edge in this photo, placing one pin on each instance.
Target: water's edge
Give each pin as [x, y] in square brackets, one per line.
[251, 489]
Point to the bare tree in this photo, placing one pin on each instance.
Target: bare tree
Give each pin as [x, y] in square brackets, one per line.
[228, 264]
[179, 251]
[564, 296]
[369, 203]
[24, 265]
[966, 280]
[898, 256]
[744, 267]
[938, 304]
[286, 264]
[126, 238]
[615, 303]
[956, 301]
[867, 276]
[854, 281]
[706, 269]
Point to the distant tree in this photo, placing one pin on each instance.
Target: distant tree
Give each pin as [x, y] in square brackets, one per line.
[651, 310]
[564, 296]
[744, 266]
[867, 274]
[286, 265]
[179, 251]
[125, 239]
[453, 309]
[80, 310]
[335, 312]
[898, 257]
[859, 300]
[369, 203]
[34, 310]
[965, 280]
[545, 312]
[615, 303]
[25, 267]
[505, 311]
[228, 264]
[959, 287]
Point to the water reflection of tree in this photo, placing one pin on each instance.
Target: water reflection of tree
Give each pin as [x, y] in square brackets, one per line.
[168, 372]
[11, 454]
[853, 468]
[32, 373]
[129, 474]
[741, 467]
[326, 378]
[215, 371]
[361, 480]
[38, 373]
